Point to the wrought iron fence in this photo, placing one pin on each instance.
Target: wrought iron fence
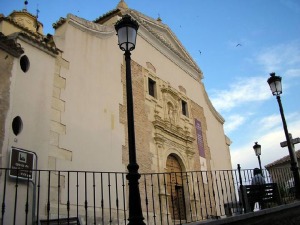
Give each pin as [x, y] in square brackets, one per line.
[86, 197]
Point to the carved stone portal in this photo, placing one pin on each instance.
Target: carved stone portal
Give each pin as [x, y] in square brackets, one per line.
[174, 133]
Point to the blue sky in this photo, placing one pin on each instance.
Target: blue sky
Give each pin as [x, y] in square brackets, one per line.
[235, 77]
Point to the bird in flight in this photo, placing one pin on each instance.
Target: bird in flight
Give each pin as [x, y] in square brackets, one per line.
[200, 52]
[238, 45]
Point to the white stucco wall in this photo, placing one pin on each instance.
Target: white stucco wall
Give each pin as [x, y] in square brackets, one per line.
[92, 97]
[92, 109]
[30, 99]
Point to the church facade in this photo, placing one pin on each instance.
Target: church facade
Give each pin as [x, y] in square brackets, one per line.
[63, 98]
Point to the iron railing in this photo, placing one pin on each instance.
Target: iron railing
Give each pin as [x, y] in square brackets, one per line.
[86, 197]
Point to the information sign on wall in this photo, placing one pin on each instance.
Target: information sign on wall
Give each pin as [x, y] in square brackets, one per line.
[21, 163]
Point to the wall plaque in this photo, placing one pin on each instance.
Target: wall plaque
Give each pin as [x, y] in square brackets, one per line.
[22, 162]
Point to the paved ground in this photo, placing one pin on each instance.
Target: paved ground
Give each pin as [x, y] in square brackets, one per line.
[281, 215]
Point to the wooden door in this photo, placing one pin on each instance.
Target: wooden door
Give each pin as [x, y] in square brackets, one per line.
[175, 189]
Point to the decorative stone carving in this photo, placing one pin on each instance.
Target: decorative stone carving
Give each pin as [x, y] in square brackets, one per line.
[171, 105]
[20, 21]
[171, 112]
[182, 89]
[29, 21]
[170, 131]
[150, 66]
[159, 141]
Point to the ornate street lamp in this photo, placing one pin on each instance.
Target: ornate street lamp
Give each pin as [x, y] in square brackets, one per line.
[127, 31]
[276, 88]
[257, 150]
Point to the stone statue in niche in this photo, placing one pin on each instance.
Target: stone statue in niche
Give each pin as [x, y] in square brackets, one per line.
[171, 113]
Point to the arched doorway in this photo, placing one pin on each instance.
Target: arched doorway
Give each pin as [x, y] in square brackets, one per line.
[175, 189]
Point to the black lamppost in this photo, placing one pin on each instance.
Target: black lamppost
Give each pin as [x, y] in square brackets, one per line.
[257, 150]
[276, 88]
[127, 31]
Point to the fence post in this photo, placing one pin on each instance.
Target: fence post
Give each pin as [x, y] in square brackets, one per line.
[242, 188]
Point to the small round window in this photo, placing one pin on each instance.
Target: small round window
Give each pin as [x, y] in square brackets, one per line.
[17, 125]
[24, 63]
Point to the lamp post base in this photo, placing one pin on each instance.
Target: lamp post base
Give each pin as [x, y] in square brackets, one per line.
[135, 207]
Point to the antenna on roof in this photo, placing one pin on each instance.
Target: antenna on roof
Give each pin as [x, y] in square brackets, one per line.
[37, 26]
[159, 19]
[37, 11]
[25, 5]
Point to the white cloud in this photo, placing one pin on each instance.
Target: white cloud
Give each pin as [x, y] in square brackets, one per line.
[235, 102]
[292, 73]
[283, 58]
[279, 57]
[269, 122]
[233, 122]
[250, 89]
[270, 142]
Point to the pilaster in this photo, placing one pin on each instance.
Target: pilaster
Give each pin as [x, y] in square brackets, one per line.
[57, 126]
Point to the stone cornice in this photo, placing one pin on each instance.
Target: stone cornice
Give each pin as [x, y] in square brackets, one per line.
[169, 54]
[172, 130]
[58, 23]
[10, 45]
[39, 43]
[96, 29]
[172, 92]
[163, 140]
[106, 16]
[179, 58]
[211, 107]
[183, 55]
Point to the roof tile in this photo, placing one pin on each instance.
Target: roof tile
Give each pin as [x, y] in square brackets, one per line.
[283, 160]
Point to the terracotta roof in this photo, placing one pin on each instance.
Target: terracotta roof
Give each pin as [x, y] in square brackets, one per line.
[106, 16]
[122, 6]
[44, 42]
[283, 160]
[10, 45]
[58, 23]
